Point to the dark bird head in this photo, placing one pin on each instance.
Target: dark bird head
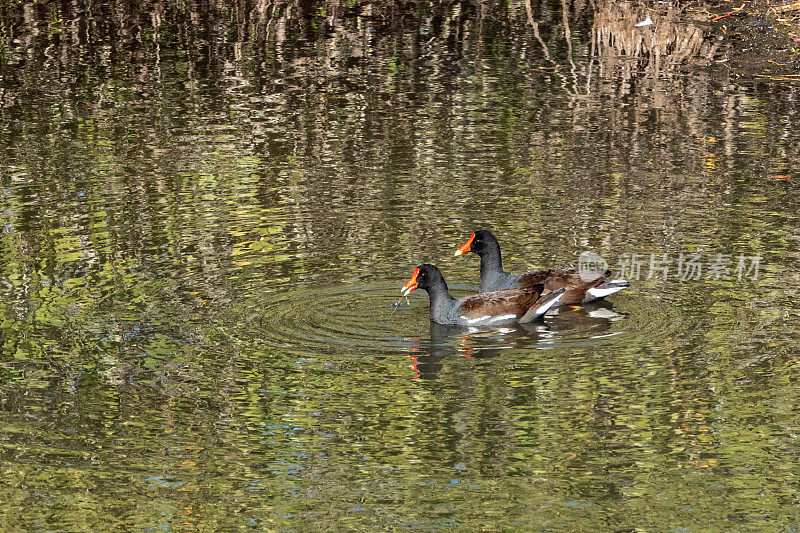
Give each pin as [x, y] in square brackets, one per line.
[479, 242]
[424, 277]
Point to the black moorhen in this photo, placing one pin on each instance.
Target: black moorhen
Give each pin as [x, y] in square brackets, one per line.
[492, 308]
[494, 278]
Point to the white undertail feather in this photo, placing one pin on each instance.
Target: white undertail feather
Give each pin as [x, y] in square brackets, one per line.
[601, 292]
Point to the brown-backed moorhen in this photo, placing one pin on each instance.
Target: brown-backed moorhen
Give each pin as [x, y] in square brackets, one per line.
[491, 308]
[494, 278]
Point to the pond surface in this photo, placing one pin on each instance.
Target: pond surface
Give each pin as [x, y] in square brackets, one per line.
[207, 218]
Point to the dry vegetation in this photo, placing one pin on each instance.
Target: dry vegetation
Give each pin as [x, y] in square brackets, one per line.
[672, 40]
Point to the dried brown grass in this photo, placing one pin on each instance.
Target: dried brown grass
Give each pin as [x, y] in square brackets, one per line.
[671, 41]
[787, 8]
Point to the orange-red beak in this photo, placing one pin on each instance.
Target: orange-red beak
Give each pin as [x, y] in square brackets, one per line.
[409, 287]
[467, 246]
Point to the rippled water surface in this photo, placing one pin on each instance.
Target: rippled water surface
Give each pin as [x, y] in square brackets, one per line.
[207, 215]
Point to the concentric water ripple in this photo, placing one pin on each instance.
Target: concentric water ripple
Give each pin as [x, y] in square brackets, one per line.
[337, 319]
[366, 318]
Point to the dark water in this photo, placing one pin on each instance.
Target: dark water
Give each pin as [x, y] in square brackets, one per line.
[207, 217]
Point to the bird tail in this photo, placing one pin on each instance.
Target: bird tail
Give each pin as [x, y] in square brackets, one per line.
[542, 306]
[607, 288]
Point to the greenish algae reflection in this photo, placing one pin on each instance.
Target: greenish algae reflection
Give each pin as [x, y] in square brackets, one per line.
[207, 215]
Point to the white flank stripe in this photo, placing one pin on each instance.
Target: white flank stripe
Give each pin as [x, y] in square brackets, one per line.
[475, 320]
[500, 318]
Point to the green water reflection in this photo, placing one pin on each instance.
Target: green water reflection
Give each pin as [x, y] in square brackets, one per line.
[207, 215]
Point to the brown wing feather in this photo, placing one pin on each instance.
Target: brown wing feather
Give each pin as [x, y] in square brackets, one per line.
[557, 278]
[516, 301]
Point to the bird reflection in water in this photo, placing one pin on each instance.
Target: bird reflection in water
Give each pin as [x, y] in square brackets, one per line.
[567, 325]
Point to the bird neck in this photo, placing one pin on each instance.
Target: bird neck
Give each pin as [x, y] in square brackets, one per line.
[491, 263]
[441, 301]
